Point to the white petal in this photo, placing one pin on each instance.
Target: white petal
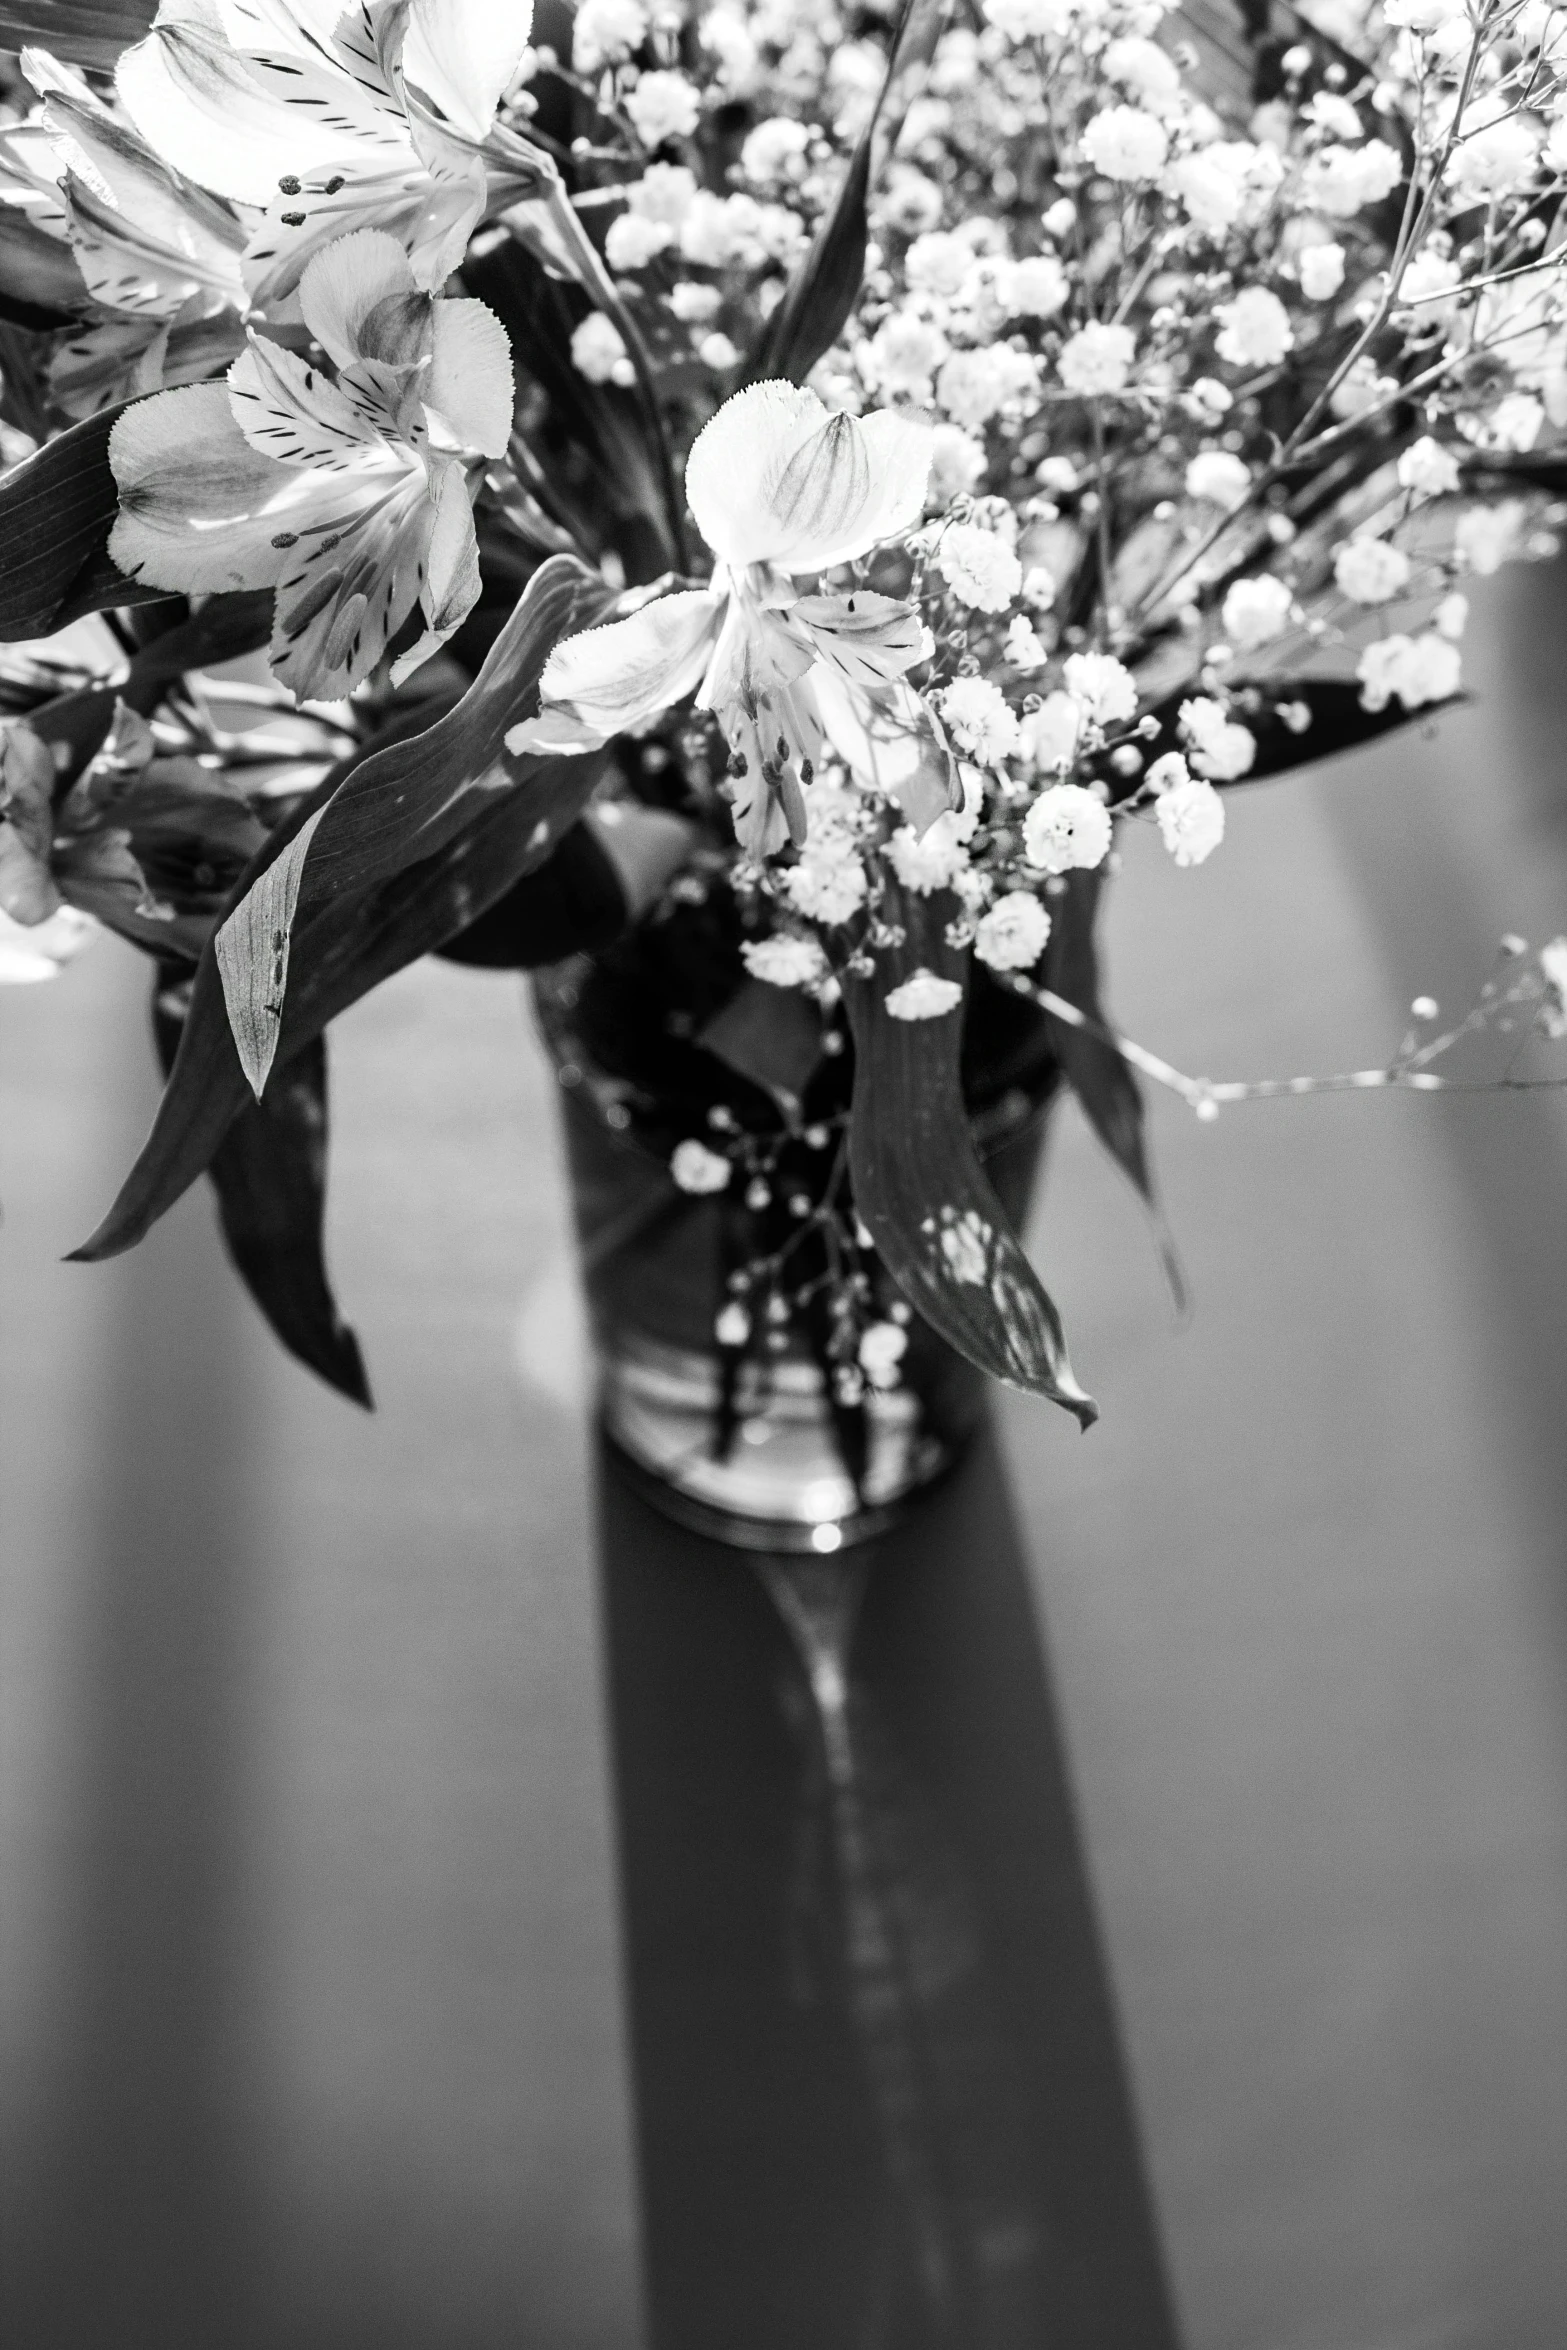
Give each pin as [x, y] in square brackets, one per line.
[468, 390]
[430, 214]
[344, 282]
[452, 585]
[293, 28]
[200, 510]
[463, 53]
[871, 639]
[619, 676]
[291, 411]
[350, 591]
[239, 126]
[141, 237]
[890, 742]
[775, 478]
[735, 462]
[855, 483]
[900, 453]
[756, 655]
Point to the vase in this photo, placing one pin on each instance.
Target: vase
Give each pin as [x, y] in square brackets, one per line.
[756, 1444]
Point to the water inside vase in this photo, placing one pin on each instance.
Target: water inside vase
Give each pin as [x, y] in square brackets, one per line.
[753, 1451]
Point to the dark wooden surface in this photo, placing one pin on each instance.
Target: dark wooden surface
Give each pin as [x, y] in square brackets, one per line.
[315, 2005]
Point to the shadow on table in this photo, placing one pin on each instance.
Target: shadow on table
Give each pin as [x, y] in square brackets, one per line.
[881, 2101]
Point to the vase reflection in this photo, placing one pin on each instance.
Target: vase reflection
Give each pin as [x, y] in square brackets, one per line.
[881, 2102]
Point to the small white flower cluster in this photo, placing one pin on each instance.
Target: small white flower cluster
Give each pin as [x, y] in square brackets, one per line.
[1205, 402]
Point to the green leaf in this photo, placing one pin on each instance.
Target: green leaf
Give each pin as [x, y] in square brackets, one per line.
[815, 308]
[57, 509]
[423, 835]
[1101, 1079]
[918, 1184]
[252, 951]
[88, 32]
[269, 1173]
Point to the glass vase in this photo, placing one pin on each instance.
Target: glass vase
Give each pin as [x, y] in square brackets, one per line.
[753, 1447]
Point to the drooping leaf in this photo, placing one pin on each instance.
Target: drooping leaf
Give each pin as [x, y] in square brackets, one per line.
[88, 32]
[918, 1183]
[252, 950]
[422, 836]
[1101, 1079]
[57, 509]
[826, 286]
[269, 1173]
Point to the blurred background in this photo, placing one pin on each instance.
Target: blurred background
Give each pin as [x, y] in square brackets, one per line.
[315, 1965]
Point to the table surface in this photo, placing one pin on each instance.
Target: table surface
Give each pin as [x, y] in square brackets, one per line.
[315, 2006]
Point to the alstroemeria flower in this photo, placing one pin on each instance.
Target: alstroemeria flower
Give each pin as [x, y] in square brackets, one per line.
[336, 118]
[781, 488]
[350, 497]
[159, 256]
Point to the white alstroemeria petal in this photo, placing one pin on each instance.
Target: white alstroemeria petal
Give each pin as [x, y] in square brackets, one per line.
[452, 581]
[757, 654]
[871, 639]
[203, 107]
[293, 28]
[853, 484]
[291, 411]
[555, 733]
[200, 509]
[143, 239]
[350, 591]
[891, 742]
[430, 214]
[606, 680]
[736, 461]
[463, 53]
[779, 479]
[346, 281]
[468, 390]
[900, 451]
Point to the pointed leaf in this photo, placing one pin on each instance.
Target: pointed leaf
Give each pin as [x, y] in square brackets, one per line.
[252, 950]
[918, 1183]
[814, 310]
[269, 1173]
[424, 834]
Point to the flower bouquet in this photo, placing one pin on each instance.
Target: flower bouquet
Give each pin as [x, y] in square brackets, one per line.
[731, 508]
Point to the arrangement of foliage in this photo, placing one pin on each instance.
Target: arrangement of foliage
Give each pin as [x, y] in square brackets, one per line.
[804, 473]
